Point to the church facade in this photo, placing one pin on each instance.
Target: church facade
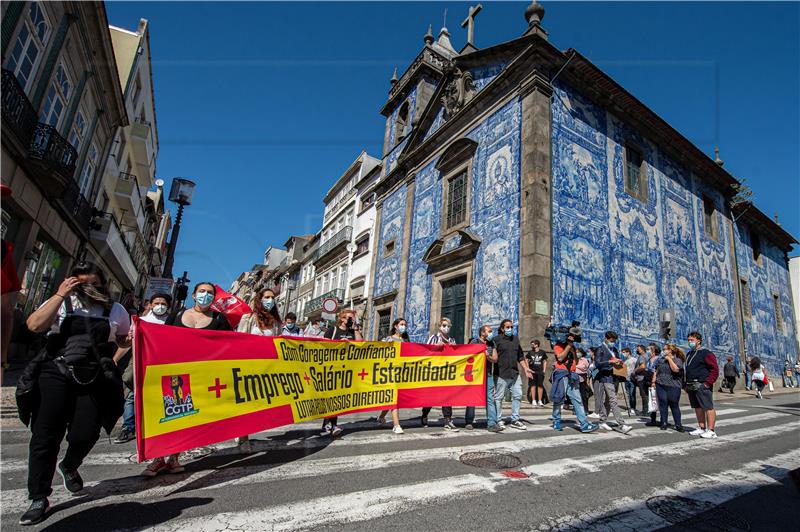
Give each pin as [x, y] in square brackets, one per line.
[521, 182]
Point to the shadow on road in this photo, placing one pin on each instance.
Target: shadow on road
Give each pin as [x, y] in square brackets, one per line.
[126, 515]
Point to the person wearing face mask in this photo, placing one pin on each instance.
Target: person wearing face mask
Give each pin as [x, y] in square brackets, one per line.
[605, 360]
[158, 306]
[509, 359]
[485, 337]
[199, 316]
[348, 329]
[701, 373]
[398, 334]
[650, 367]
[265, 320]
[290, 327]
[72, 387]
[315, 329]
[442, 337]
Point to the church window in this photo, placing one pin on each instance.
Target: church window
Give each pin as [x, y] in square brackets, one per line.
[710, 219]
[456, 200]
[635, 174]
[384, 323]
[401, 124]
[755, 243]
[744, 294]
[776, 302]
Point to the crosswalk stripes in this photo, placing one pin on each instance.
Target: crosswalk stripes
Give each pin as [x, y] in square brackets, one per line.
[229, 448]
[239, 472]
[370, 504]
[634, 514]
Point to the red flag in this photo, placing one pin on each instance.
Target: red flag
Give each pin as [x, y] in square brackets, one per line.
[230, 306]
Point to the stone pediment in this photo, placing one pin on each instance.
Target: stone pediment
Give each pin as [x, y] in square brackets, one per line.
[456, 248]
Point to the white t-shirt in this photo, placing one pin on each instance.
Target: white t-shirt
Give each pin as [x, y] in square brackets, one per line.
[118, 319]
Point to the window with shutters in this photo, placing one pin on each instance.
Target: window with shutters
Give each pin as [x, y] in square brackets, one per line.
[710, 219]
[635, 174]
[776, 303]
[27, 50]
[744, 294]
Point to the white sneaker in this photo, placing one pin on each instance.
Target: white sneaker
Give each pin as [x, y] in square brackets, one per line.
[632, 412]
[539, 403]
[605, 426]
[626, 429]
[594, 416]
[709, 434]
[697, 432]
[397, 429]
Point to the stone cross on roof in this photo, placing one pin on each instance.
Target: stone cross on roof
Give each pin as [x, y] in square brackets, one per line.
[469, 23]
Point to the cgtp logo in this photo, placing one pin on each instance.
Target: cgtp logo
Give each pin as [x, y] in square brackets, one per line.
[177, 393]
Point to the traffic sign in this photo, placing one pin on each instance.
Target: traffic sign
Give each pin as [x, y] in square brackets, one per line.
[330, 305]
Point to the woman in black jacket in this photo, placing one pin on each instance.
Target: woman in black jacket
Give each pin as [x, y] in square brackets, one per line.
[73, 386]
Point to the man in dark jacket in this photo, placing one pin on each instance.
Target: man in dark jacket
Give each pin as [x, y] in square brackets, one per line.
[701, 373]
[605, 359]
[509, 357]
[730, 373]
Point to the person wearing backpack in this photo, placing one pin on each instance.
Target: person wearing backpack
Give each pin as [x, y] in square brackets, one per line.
[701, 373]
[72, 387]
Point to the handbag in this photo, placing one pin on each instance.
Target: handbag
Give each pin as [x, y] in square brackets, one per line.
[652, 401]
[621, 372]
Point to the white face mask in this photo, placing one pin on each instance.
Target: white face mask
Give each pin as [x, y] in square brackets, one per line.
[159, 310]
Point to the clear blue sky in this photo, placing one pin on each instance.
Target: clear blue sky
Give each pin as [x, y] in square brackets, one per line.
[265, 105]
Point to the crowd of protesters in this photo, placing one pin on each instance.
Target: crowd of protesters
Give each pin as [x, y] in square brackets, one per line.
[74, 386]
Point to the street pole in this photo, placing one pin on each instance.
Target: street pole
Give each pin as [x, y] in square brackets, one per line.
[173, 243]
[351, 249]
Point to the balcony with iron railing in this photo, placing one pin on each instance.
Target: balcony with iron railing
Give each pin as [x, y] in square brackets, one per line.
[337, 241]
[142, 142]
[112, 246]
[18, 113]
[336, 207]
[316, 303]
[75, 206]
[129, 197]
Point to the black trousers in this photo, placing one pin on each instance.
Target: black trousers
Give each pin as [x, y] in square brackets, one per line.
[644, 393]
[65, 407]
[447, 411]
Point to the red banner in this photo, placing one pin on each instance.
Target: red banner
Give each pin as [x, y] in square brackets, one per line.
[197, 387]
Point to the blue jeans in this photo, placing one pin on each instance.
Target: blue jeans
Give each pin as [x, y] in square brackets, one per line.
[630, 389]
[574, 395]
[669, 397]
[515, 385]
[129, 413]
[491, 407]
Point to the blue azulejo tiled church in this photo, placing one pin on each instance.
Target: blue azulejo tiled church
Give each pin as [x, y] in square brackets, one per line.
[521, 182]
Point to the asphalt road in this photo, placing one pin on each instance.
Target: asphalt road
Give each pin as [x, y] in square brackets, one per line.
[428, 479]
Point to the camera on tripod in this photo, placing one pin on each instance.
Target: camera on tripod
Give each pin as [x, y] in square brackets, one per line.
[557, 334]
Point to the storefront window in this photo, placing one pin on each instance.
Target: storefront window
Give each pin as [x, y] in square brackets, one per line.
[39, 280]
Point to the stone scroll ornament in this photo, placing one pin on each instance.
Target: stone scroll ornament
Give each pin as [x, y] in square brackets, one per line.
[458, 92]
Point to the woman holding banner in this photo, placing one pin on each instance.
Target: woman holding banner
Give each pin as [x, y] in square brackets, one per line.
[398, 334]
[346, 328]
[199, 316]
[265, 320]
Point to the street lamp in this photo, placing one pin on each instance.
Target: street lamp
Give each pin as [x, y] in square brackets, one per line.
[180, 192]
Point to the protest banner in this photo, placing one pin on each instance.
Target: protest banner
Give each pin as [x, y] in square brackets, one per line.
[197, 387]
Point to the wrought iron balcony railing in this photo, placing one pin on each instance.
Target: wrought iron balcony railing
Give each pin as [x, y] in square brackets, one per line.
[50, 147]
[316, 303]
[333, 242]
[18, 112]
[73, 202]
